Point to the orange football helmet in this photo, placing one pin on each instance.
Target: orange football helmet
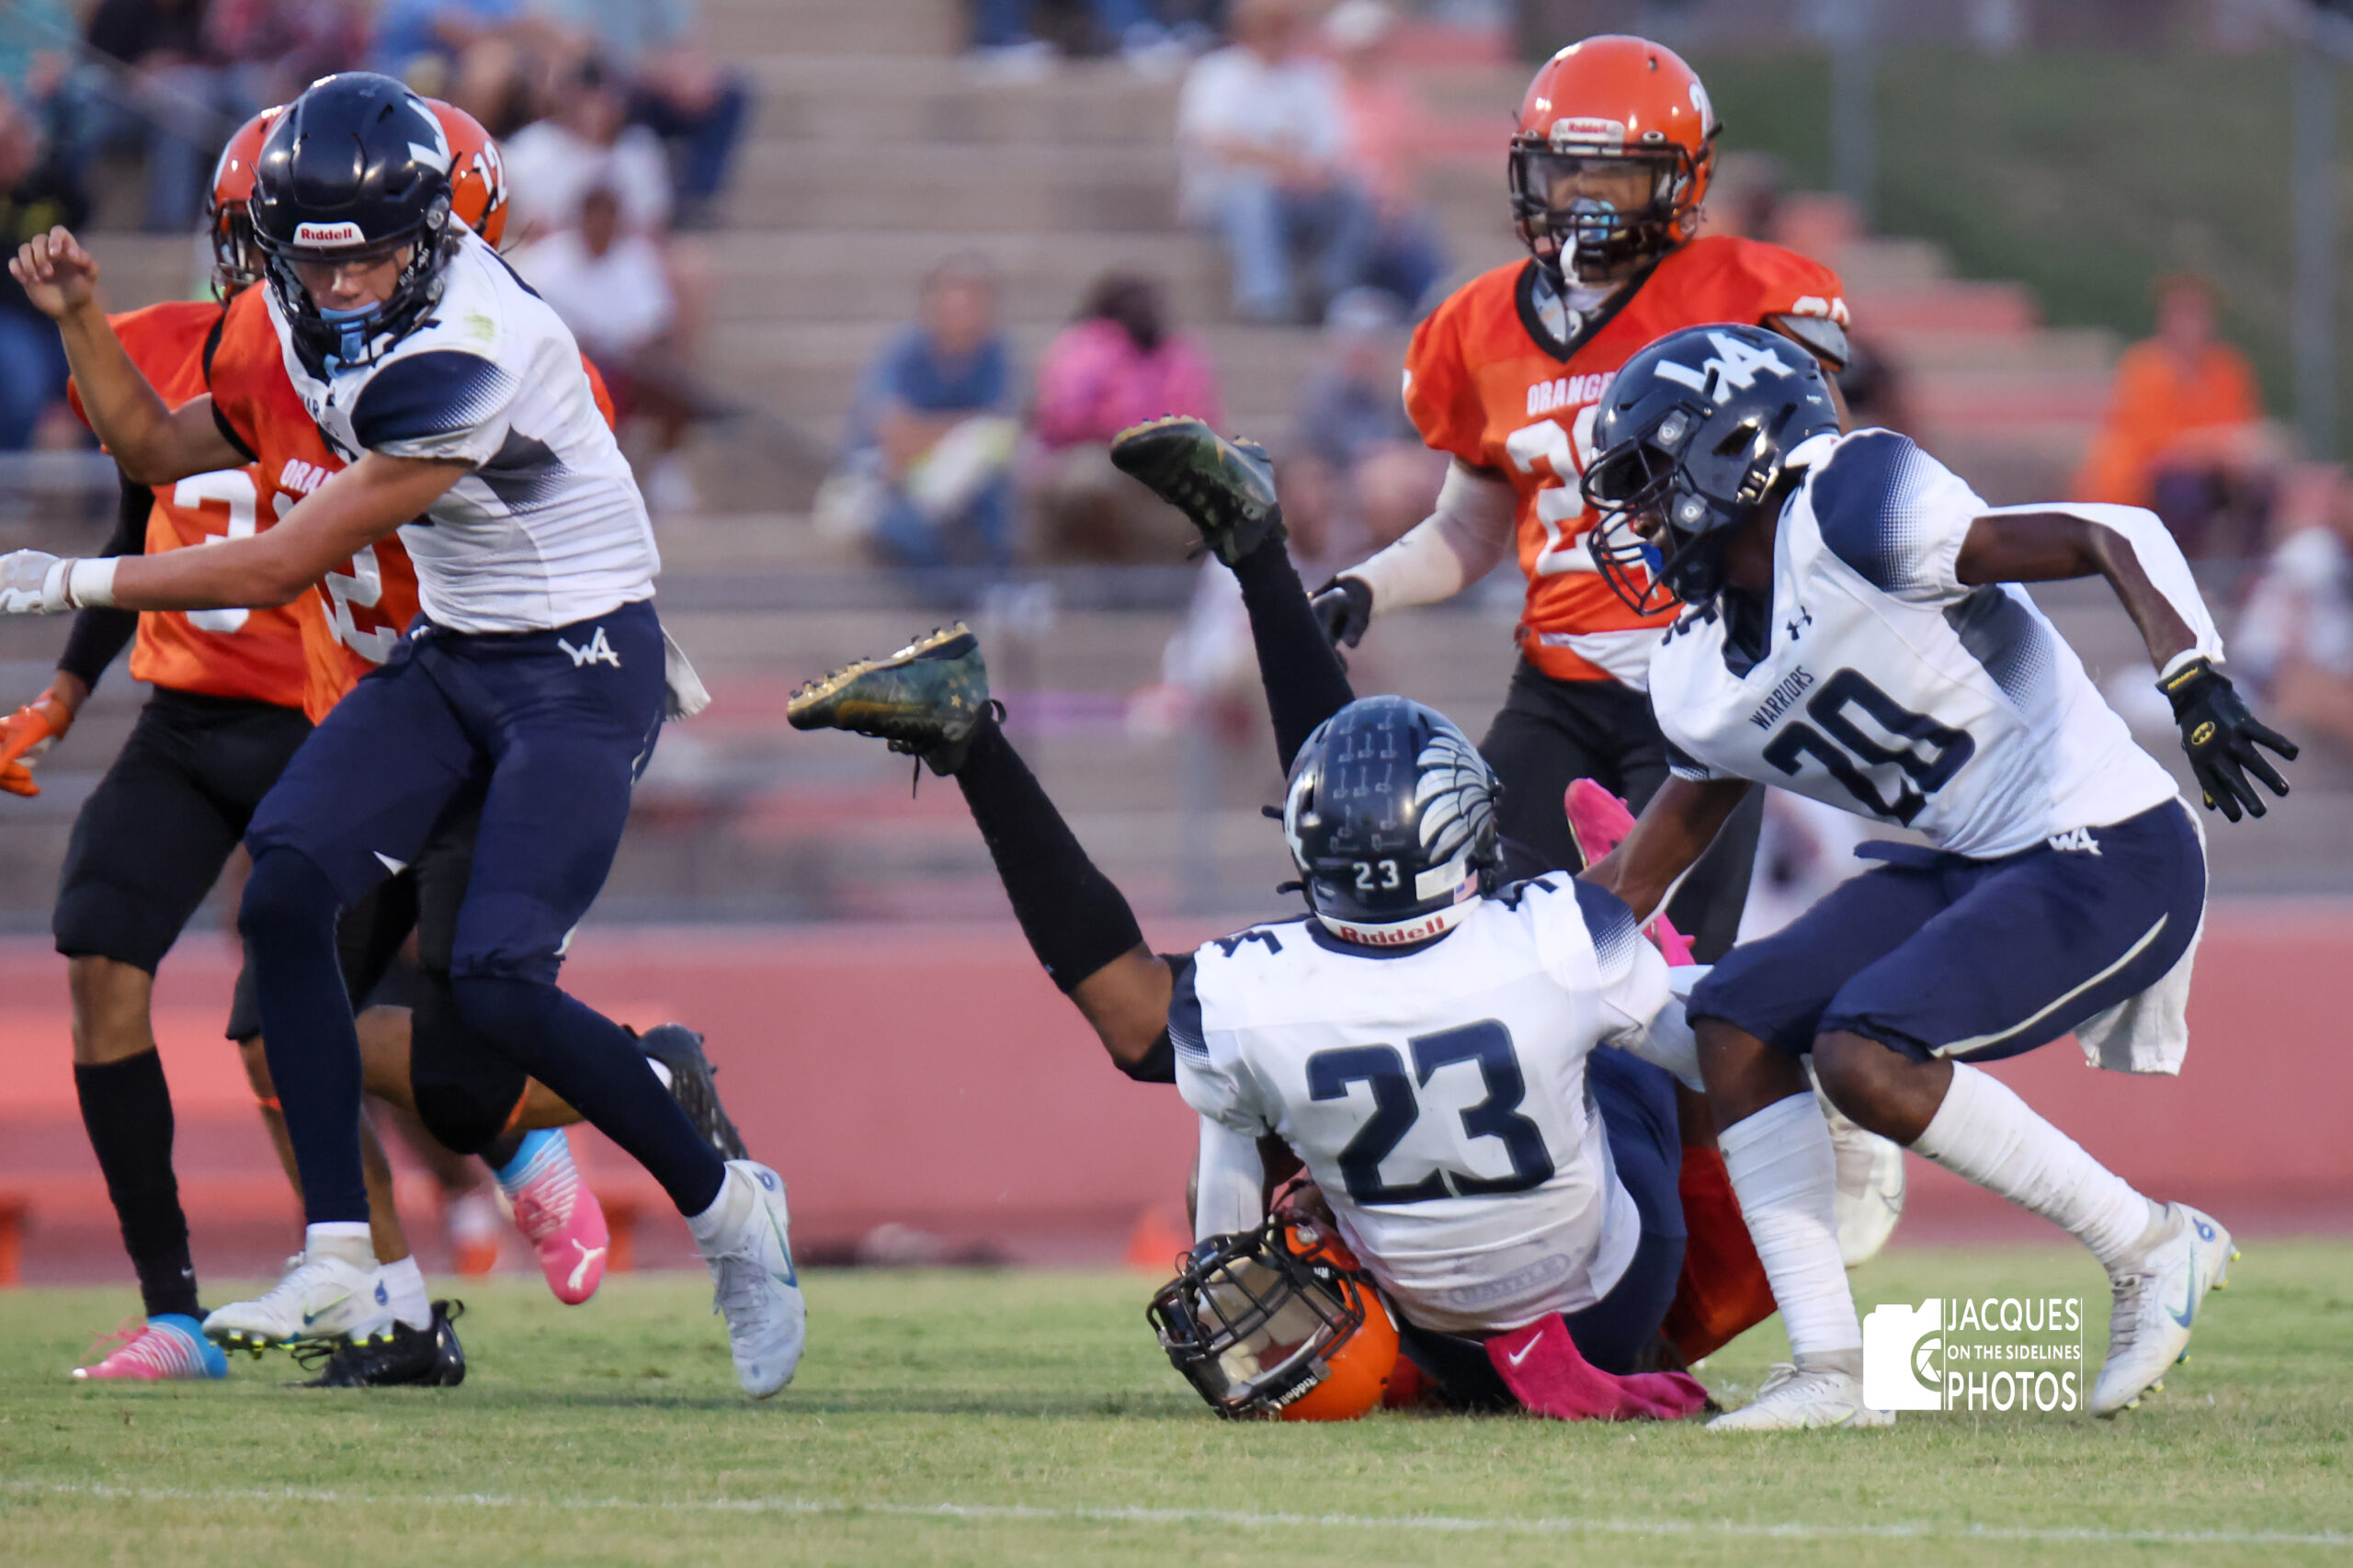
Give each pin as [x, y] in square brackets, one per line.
[1608, 101]
[1278, 1323]
[236, 258]
[477, 174]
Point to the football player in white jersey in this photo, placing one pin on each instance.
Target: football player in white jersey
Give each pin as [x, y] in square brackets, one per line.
[1426, 1040]
[537, 672]
[1855, 634]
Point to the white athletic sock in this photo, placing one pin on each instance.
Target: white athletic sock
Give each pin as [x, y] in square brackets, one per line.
[405, 1282]
[726, 1211]
[1786, 1176]
[346, 1239]
[1984, 1131]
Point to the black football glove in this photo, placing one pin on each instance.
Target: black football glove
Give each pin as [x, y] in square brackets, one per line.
[2221, 736]
[1344, 607]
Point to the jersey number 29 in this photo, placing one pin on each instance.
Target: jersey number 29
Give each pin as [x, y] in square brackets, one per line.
[1397, 1104]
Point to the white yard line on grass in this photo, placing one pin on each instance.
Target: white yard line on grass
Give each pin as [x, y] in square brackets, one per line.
[1226, 1517]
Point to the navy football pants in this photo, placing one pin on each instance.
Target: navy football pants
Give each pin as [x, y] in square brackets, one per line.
[555, 726]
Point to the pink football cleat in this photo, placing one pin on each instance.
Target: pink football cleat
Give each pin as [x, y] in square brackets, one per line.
[1599, 822]
[170, 1349]
[558, 1215]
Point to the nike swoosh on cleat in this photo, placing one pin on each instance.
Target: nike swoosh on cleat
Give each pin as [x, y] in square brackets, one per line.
[791, 1275]
[588, 1255]
[310, 1317]
[2188, 1300]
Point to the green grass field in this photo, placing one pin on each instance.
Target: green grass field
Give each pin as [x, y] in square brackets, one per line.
[1026, 1417]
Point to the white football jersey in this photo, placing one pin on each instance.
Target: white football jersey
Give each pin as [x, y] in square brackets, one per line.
[548, 528]
[1437, 1094]
[1890, 689]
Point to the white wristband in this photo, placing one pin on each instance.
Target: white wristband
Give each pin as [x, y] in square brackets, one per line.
[89, 583]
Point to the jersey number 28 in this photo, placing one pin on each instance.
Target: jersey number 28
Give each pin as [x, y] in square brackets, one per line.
[1398, 1104]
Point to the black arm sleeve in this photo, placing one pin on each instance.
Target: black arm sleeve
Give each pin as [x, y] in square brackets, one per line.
[1159, 1063]
[99, 634]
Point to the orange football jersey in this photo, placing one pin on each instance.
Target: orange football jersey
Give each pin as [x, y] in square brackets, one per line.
[1482, 385]
[351, 618]
[250, 653]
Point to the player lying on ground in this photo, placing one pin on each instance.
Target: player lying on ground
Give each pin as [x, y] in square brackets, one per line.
[1853, 632]
[1426, 1042]
[537, 673]
[232, 692]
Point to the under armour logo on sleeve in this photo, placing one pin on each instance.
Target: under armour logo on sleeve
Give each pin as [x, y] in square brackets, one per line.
[595, 651]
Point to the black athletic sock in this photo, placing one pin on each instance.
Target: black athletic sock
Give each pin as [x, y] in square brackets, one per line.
[1076, 919]
[288, 920]
[127, 1110]
[600, 1071]
[1305, 681]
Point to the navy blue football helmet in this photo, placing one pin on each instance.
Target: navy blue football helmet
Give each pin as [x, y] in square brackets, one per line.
[1692, 435]
[355, 169]
[1391, 819]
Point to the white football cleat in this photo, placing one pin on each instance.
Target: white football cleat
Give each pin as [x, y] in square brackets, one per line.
[2157, 1297]
[1793, 1401]
[757, 1286]
[319, 1298]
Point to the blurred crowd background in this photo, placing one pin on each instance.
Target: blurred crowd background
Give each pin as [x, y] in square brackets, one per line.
[876, 282]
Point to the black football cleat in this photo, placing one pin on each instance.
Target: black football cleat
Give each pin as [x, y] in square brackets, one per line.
[679, 1050]
[926, 700]
[401, 1357]
[1226, 487]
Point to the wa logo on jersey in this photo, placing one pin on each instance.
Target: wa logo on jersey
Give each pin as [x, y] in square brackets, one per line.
[1733, 367]
[1995, 1353]
[595, 651]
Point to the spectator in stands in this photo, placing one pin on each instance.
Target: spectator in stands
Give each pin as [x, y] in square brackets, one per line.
[2294, 640]
[1390, 130]
[39, 193]
[479, 54]
[2185, 433]
[1350, 417]
[1261, 132]
[613, 288]
[37, 41]
[1005, 48]
[930, 441]
[287, 44]
[157, 84]
[587, 143]
[1115, 366]
[676, 87]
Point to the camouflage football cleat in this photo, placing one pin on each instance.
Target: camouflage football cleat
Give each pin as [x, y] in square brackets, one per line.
[926, 700]
[1226, 487]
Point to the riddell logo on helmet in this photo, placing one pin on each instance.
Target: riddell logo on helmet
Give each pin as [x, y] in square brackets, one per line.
[343, 234]
[1588, 130]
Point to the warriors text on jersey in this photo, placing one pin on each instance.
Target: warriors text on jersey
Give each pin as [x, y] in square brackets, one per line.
[353, 616]
[1887, 687]
[1488, 383]
[253, 653]
[547, 527]
[1437, 1094]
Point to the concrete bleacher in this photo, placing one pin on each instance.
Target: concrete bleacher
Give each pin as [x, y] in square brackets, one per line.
[875, 151]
